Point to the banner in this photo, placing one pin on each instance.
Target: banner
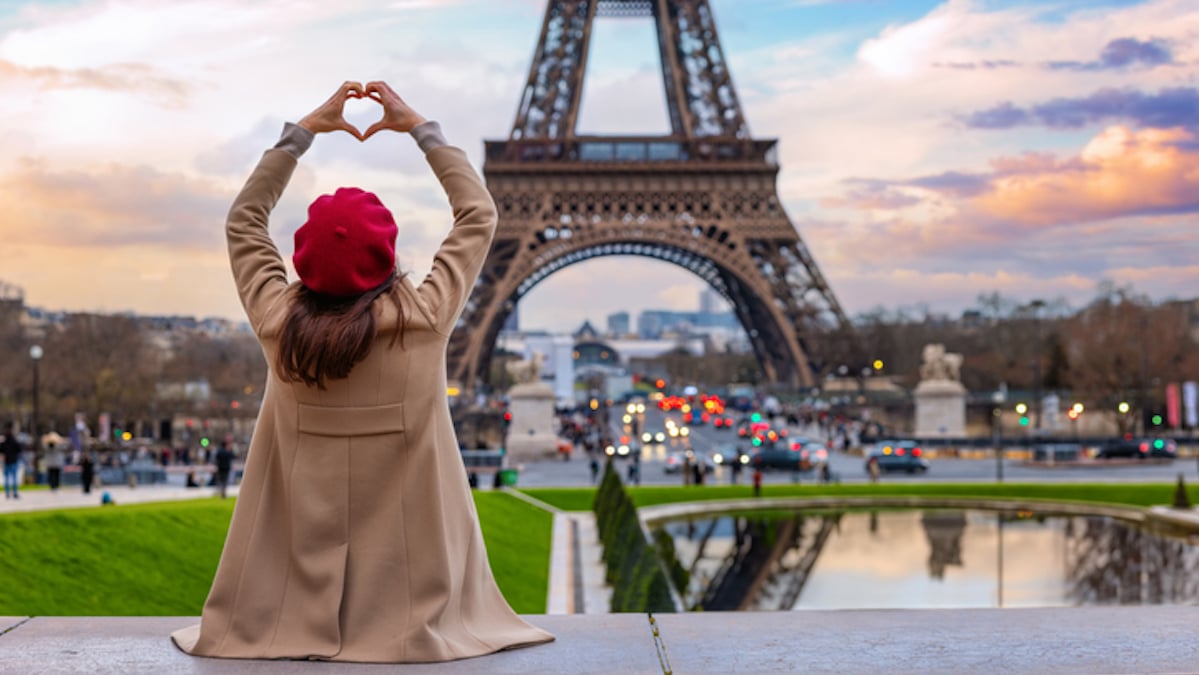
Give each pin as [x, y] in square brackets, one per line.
[105, 428]
[1173, 416]
[1190, 403]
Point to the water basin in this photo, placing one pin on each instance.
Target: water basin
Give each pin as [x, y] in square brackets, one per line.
[934, 558]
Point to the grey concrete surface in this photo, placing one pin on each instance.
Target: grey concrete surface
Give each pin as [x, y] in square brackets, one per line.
[1076, 640]
[72, 498]
[1082, 640]
[7, 623]
[593, 644]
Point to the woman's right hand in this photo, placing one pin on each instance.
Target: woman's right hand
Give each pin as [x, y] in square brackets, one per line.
[329, 116]
[397, 115]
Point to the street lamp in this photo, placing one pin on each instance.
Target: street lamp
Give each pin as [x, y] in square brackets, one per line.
[36, 353]
[1074, 413]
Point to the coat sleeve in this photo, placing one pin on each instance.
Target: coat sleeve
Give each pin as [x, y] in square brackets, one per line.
[460, 258]
[258, 269]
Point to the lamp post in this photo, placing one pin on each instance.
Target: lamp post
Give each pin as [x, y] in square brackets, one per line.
[998, 398]
[36, 353]
[1036, 306]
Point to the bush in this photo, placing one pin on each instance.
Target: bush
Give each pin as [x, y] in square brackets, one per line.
[1181, 499]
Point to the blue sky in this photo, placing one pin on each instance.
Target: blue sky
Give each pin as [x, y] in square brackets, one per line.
[931, 151]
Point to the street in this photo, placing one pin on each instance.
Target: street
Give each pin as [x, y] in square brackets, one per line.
[845, 468]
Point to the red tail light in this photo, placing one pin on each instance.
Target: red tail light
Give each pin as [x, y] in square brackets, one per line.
[1144, 447]
[899, 452]
[916, 452]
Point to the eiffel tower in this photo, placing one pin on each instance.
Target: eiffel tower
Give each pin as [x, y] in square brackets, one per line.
[703, 198]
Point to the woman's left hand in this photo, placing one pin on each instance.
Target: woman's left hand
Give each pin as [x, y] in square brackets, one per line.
[329, 116]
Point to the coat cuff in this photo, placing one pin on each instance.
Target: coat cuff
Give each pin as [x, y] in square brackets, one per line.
[295, 139]
[428, 136]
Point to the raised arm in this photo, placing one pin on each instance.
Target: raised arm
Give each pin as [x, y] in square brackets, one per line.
[258, 269]
[460, 258]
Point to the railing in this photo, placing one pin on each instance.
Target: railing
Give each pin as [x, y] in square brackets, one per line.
[633, 149]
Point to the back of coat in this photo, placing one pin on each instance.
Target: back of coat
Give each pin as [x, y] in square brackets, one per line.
[355, 536]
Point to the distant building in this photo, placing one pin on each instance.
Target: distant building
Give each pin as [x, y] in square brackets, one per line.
[654, 323]
[586, 332]
[618, 324]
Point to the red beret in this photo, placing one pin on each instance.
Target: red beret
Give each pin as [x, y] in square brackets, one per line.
[347, 247]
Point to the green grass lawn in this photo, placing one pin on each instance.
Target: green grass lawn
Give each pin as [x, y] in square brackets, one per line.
[159, 559]
[1135, 494]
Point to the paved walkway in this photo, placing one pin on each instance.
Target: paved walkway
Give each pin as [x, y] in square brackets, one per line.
[1043, 641]
[73, 497]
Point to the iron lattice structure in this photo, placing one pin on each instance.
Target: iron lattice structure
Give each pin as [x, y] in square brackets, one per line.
[703, 197]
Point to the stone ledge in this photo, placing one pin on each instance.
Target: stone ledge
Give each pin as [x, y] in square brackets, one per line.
[1053, 640]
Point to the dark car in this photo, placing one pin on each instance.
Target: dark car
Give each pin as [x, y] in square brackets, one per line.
[779, 456]
[1141, 448]
[898, 456]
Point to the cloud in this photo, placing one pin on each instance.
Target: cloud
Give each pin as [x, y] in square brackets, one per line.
[1119, 173]
[1118, 54]
[112, 205]
[978, 65]
[1121, 54]
[140, 78]
[1175, 107]
[871, 194]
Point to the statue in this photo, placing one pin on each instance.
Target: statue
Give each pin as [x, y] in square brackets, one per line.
[528, 371]
[940, 397]
[939, 365]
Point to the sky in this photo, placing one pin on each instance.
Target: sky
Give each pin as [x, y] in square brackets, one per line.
[930, 152]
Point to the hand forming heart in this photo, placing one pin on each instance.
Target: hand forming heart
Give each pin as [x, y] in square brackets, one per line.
[330, 116]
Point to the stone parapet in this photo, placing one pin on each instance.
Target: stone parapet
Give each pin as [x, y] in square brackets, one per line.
[1051, 640]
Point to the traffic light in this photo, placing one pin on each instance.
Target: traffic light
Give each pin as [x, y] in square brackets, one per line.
[507, 418]
[1024, 420]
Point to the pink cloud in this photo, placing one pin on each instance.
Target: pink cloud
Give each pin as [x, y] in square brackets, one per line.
[118, 77]
[1119, 173]
[112, 205]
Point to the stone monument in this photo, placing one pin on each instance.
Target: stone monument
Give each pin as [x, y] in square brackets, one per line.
[940, 396]
[531, 402]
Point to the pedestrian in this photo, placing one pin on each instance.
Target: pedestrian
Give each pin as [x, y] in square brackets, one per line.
[735, 470]
[224, 465]
[758, 482]
[87, 471]
[595, 467]
[355, 537]
[872, 469]
[54, 462]
[12, 462]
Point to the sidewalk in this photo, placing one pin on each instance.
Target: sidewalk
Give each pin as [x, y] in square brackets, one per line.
[72, 497]
[1051, 640]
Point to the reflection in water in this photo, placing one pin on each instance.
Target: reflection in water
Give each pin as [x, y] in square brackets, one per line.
[963, 559]
[943, 529]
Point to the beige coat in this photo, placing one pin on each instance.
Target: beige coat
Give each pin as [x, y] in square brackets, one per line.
[355, 536]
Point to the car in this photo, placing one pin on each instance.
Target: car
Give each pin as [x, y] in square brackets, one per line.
[1141, 448]
[729, 455]
[775, 456]
[898, 456]
[676, 460]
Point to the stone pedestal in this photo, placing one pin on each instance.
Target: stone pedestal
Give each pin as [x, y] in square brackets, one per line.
[940, 409]
[531, 433]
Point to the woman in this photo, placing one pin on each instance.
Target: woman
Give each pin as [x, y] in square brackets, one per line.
[355, 537]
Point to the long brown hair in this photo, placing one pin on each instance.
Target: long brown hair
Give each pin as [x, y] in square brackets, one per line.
[324, 337]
